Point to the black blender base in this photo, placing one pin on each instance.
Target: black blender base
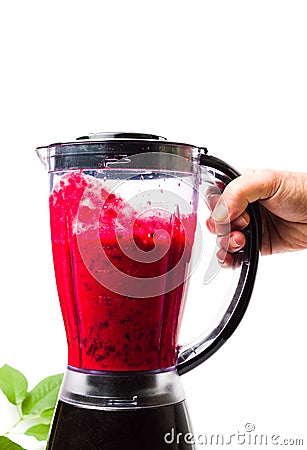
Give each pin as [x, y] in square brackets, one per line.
[159, 428]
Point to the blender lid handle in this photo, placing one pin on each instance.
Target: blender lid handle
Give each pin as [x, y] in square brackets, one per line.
[201, 349]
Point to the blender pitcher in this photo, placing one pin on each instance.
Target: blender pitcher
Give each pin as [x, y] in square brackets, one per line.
[126, 239]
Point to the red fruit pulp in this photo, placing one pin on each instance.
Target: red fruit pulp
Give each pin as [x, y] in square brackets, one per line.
[109, 330]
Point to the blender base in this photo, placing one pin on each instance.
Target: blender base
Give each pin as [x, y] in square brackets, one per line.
[156, 428]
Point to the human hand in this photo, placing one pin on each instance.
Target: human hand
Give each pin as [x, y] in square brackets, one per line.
[283, 197]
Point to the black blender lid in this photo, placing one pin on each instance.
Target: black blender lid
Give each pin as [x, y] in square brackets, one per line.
[120, 135]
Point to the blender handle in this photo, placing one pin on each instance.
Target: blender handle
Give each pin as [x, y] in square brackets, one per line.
[205, 347]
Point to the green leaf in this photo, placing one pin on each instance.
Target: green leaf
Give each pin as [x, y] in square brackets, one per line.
[48, 414]
[43, 396]
[7, 444]
[40, 432]
[13, 384]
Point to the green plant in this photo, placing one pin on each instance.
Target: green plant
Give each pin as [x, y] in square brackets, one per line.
[34, 408]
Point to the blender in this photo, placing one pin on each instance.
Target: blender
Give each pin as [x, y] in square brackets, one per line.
[126, 238]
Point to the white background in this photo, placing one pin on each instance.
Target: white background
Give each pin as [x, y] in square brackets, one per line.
[230, 75]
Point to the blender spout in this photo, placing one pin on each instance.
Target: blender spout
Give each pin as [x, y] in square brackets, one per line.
[44, 155]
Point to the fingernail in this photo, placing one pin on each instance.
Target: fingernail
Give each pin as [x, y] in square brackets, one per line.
[241, 222]
[235, 243]
[220, 261]
[220, 213]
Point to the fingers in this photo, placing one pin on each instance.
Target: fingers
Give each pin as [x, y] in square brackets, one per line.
[232, 242]
[239, 223]
[229, 216]
[249, 187]
[225, 259]
[228, 260]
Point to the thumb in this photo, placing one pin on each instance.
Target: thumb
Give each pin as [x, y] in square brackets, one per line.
[251, 186]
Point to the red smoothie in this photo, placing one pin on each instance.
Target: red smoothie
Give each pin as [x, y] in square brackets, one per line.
[108, 330]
